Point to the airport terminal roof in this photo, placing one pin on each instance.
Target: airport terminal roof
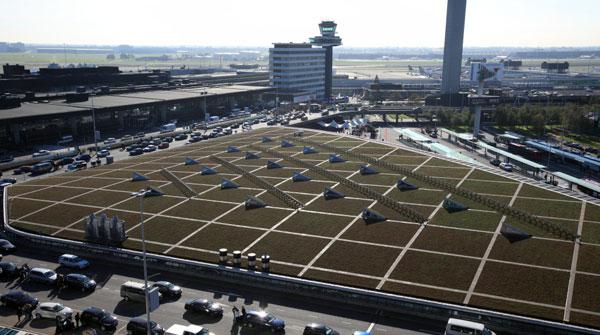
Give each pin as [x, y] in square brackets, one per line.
[583, 159]
[577, 181]
[54, 107]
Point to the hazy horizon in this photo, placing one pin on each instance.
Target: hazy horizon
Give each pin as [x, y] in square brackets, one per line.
[233, 23]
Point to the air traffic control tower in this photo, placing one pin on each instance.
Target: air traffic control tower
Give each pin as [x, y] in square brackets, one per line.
[453, 48]
[327, 40]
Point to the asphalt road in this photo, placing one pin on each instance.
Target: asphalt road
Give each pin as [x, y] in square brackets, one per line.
[296, 311]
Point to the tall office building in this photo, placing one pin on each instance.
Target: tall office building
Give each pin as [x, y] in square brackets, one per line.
[327, 40]
[453, 46]
[297, 71]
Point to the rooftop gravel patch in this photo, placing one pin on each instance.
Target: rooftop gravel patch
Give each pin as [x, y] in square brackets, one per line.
[387, 232]
[371, 151]
[584, 285]
[171, 189]
[341, 206]
[349, 192]
[315, 224]
[289, 248]
[592, 212]
[283, 172]
[443, 172]
[476, 205]
[420, 291]
[152, 205]
[376, 179]
[152, 166]
[588, 258]
[314, 187]
[418, 196]
[54, 180]
[341, 279]
[551, 208]
[213, 179]
[482, 175]
[16, 189]
[453, 241]
[100, 198]
[488, 187]
[199, 209]
[57, 193]
[260, 217]
[442, 162]
[557, 254]
[231, 195]
[345, 166]
[134, 186]
[216, 236]
[517, 307]
[166, 230]
[436, 269]
[352, 257]
[93, 182]
[536, 192]
[506, 280]
[569, 225]
[20, 207]
[591, 232]
[59, 215]
[585, 319]
[123, 174]
[467, 220]
[391, 214]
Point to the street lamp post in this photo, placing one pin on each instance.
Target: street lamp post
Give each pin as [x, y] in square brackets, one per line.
[94, 121]
[140, 194]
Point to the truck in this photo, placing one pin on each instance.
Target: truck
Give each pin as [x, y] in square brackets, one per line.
[169, 127]
[187, 330]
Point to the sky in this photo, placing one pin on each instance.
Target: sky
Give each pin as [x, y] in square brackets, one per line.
[373, 23]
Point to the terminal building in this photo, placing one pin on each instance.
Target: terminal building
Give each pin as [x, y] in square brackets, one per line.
[297, 71]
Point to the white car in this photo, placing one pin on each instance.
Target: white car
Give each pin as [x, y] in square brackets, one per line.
[110, 140]
[506, 166]
[41, 153]
[73, 261]
[103, 153]
[150, 148]
[53, 310]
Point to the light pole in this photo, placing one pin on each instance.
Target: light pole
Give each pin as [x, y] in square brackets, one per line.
[94, 121]
[140, 194]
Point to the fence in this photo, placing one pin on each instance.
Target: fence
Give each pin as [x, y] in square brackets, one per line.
[286, 198]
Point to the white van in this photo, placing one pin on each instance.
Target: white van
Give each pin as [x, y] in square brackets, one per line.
[133, 291]
[463, 327]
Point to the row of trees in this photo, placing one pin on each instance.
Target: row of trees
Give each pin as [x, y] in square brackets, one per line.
[575, 118]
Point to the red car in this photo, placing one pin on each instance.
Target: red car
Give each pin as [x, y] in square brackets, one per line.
[163, 145]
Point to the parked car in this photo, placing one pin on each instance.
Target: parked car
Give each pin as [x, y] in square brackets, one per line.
[84, 157]
[9, 270]
[204, 306]
[181, 137]
[18, 299]
[187, 330]
[136, 152]
[43, 276]
[65, 161]
[110, 140]
[319, 329]
[42, 167]
[150, 148]
[168, 139]
[103, 153]
[53, 310]
[8, 180]
[506, 166]
[138, 326]
[41, 153]
[167, 289]
[495, 162]
[261, 320]
[7, 247]
[126, 138]
[459, 327]
[77, 165]
[73, 261]
[97, 317]
[140, 134]
[22, 169]
[80, 282]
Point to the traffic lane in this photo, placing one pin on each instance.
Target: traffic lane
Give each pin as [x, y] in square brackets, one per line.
[296, 311]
